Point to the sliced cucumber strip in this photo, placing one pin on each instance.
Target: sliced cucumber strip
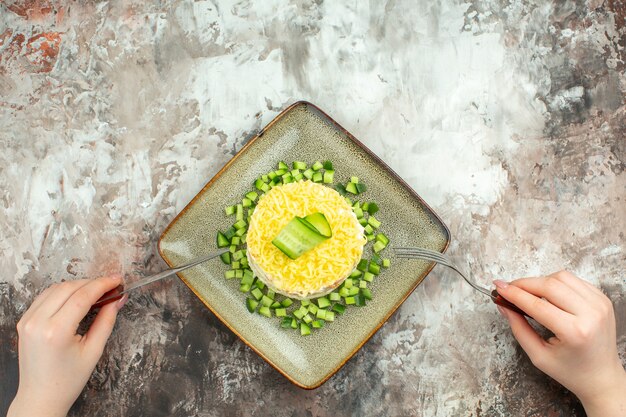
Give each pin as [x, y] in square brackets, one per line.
[302, 234]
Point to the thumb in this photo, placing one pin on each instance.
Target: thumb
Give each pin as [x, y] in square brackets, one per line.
[102, 326]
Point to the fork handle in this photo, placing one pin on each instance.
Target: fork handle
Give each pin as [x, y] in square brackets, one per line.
[501, 301]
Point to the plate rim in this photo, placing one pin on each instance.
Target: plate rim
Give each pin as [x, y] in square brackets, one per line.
[379, 161]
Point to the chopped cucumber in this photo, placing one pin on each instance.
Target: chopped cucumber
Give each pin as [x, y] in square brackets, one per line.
[354, 180]
[251, 304]
[229, 274]
[359, 300]
[362, 284]
[321, 314]
[334, 296]
[351, 188]
[225, 257]
[239, 214]
[368, 276]
[328, 177]
[283, 165]
[235, 240]
[266, 301]
[361, 188]
[341, 189]
[358, 212]
[382, 238]
[328, 165]
[366, 293]
[244, 288]
[378, 246]
[362, 266]
[230, 210]
[317, 324]
[299, 165]
[307, 319]
[280, 312]
[257, 293]
[318, 177]
[356, 273]
[308, 173]
[312, 308]
[265, 311]
[317, 166]
[386, 263]
[374, 268]
[222, 241]
[323, 302]
[286, 302]
[305, 330]
[339, 308]
[252, 196]
[286, 323]
[350, 300]
[305, 303]
[373, 222]
[372, 208]
[246, 202]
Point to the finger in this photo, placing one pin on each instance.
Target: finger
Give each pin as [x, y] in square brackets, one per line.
[527, 337]
[539, 309]
[555, 291]
[58, 297]
[78, 304]
[583, 288]
[101, 328]
[37, 302]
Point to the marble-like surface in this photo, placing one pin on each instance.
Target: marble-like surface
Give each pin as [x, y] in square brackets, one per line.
[508, 117]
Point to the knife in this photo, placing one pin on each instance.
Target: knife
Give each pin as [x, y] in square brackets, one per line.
[119, 291]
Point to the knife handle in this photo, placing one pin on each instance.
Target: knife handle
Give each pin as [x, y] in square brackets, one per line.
[501, 301]
[108, 297]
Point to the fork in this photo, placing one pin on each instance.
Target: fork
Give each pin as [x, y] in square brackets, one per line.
[437, 257]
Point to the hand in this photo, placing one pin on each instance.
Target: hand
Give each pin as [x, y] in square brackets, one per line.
[582, 354]
[55, 363]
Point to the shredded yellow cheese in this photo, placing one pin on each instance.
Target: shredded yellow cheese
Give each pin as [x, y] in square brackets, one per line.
[319, 270]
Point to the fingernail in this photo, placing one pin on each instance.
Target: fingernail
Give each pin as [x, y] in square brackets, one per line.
[122, 301]
[502, 311]
[500, 284]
